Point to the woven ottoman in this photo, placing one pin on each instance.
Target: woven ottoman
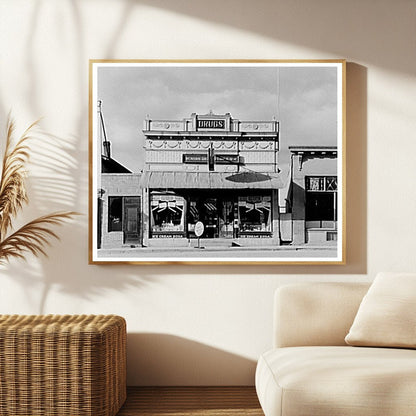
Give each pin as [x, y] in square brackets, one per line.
[71, 365]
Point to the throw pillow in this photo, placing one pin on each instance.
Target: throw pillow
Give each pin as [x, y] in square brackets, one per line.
[387, 314]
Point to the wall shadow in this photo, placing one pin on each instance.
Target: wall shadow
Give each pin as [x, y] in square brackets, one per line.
[169, 360]
[356, 167]
[58, 180]
[53, 186]
[337, 28]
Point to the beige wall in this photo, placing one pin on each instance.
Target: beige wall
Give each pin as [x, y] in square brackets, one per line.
[201, 324]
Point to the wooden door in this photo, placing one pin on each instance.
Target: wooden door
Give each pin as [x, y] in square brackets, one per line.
[131, 220]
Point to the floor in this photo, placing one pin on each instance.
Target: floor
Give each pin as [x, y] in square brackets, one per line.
[187, 401]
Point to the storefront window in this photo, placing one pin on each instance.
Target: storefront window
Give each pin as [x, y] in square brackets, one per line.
[331, 183]
[315, 183]
[254, 213]
[167, 213]
[115, 213]
[193, 213]
[321, 201]
[321, 183]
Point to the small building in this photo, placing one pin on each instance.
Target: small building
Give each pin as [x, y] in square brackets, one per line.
[119, 203]
[214, 169]
[310, 209]
[121, 210]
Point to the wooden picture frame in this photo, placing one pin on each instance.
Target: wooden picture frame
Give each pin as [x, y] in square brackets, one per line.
[252, 151]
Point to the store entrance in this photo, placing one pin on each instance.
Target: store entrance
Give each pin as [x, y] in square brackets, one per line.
[209, 215]
[131, 220]
[226, 219]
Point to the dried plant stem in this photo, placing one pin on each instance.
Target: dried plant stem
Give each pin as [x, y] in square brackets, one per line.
[34, 236]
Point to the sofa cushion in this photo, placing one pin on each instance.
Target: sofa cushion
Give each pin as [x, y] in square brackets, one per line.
[315, 314]
[342, 381]
[387, 314]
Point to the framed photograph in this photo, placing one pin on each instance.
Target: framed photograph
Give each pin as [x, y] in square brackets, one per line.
[217, 162]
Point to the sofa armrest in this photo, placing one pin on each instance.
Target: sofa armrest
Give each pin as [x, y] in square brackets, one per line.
[315, 313]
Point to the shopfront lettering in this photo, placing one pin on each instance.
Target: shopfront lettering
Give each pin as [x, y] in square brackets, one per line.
[220, 159]
[253, 235]
[211, 124]
[170, 235]
[195, 158]
[227, 159]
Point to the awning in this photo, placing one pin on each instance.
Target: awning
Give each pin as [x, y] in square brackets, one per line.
[211, 180]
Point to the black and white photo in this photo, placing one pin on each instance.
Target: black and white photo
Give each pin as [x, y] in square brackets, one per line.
[217, 161]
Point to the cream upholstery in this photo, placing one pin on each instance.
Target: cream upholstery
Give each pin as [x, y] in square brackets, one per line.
[337, 381]
[315, 314]
[312, 372]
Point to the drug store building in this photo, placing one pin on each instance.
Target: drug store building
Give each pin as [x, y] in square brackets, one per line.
[214, 169]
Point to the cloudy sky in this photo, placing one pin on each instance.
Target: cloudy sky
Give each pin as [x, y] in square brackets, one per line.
[302, 98]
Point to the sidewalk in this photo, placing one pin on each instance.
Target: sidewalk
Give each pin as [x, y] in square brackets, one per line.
[204, 250]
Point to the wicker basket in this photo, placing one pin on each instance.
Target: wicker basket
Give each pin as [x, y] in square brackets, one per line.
[53, 365]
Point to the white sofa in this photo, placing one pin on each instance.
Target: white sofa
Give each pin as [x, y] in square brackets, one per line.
[311, 371]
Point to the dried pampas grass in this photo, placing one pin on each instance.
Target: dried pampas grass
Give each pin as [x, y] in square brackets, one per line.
[34, 236]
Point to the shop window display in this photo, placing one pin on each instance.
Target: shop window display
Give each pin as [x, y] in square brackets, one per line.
[254, 214]
[167, 213]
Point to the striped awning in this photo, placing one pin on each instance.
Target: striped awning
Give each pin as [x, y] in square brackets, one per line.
[210, 180]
